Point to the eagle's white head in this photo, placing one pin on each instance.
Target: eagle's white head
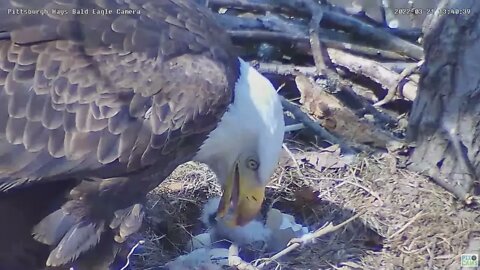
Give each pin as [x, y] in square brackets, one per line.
[244, 149]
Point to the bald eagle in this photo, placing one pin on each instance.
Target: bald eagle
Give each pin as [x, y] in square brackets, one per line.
[100, 100]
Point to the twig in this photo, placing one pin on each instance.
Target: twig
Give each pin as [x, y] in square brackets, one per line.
[295, 243]
[435, 175]
[141, 242]
[293, 159]
[234, 259]
[404, 227]
[392, 90]
[321, 59]
[371, 192]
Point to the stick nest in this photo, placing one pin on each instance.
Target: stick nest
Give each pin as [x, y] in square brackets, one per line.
[410, 222]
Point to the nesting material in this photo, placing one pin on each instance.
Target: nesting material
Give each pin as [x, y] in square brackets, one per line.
[411, 223]
[203, 240]
[272, 234]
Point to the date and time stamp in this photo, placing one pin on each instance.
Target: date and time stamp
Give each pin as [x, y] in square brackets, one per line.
[428, 11]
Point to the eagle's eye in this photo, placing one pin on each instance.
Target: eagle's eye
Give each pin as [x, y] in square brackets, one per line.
[252, 164]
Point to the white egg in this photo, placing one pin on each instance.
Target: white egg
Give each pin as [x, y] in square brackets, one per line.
[283, 228]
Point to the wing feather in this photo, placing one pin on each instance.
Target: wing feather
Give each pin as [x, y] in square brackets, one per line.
[111, 93]
[56, 142]
[97, 102]
[35, 136]
[35, 106]
[108, 147]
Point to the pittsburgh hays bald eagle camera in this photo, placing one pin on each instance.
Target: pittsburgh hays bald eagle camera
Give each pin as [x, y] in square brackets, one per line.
[97, 110]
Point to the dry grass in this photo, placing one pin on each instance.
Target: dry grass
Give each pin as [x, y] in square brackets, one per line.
[410, 224]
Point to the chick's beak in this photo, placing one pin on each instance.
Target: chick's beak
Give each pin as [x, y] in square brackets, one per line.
[241, 200]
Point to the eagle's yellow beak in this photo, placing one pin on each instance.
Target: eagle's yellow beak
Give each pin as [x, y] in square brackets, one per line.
[242, 198]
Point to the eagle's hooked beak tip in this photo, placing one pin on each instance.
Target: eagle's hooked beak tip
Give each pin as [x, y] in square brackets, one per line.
[241, 200]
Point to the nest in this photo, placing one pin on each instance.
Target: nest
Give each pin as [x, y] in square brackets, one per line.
[410, 222]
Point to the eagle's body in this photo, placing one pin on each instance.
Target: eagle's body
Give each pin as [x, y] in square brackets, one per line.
[96, 111]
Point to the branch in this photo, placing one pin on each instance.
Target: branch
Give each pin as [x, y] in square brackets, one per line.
[346, 91]
[295, 243]
[392, 90]
[320, 57]
[383, 118]
[362, 29]
[283, 70]
[314, 126]
[373, 70]
[378, 36]
[245, 4]
[132, 250]
[288, 32]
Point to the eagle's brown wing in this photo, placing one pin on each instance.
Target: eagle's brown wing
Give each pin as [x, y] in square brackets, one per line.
[101, 97]
[78, 92]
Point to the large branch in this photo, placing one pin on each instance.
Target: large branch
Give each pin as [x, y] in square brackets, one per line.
[298, 34]
[374, 71]
[344, 22]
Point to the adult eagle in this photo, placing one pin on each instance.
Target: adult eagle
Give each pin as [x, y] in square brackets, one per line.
[97, 110]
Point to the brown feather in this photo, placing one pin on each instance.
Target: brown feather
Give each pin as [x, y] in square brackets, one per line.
[85, 100]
